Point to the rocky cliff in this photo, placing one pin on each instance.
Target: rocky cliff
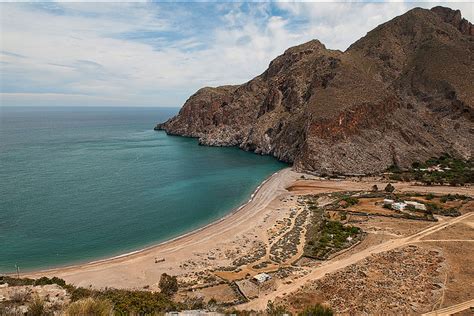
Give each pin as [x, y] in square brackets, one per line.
[402, 93]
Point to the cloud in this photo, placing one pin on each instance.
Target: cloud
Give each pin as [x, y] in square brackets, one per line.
[159, 54]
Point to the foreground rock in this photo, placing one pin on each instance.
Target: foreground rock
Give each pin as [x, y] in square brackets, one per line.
[402, 93]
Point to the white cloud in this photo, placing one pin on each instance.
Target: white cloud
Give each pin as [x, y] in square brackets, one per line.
[90, 53]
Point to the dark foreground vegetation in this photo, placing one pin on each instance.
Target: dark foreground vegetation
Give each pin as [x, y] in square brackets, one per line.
[443, 170]
[85, 301]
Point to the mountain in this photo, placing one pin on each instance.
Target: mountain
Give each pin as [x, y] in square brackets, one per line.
[402, 93]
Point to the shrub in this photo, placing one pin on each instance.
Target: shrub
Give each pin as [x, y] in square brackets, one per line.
[36, 308]
[90, 306]
[317, 310]
[275, 310]
[47, 281]
[430, 196]
[19, 296]
[350, 200]
[389, 188]
[168, 284]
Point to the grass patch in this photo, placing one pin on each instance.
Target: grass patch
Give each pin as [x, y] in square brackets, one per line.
[327, 237]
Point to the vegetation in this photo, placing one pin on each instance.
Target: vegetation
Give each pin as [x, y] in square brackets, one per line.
[168, 284]
[328, 237]
[90, 306]
[316, 310]
[26, 281]
[389, 188]
[36, 307]
[442, 170]
[453, 197]
[349, 201]
[130, 302]
[276, 310]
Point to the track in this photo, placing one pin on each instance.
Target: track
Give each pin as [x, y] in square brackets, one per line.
[332, 266]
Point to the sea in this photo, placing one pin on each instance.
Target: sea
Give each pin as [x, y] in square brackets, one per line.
[79, 184]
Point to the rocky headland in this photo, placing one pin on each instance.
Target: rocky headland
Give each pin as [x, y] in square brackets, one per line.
[402, 93]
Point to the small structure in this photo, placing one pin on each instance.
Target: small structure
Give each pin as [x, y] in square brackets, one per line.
[388, 202]
[261, 277]
[399, 206]
[416, 205]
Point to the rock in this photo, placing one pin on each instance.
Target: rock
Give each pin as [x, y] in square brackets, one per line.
[400, 94]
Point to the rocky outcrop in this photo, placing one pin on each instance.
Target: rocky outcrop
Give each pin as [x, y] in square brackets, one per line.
[402, 93]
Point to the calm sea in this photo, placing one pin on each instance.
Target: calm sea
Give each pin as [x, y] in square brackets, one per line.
[79, 184]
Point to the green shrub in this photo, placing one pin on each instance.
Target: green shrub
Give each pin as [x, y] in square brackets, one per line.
[37, 308]
[90, 306]
[316, 310]
[275, 310]
[168, 284]
[430, 196]
[389, 188]
[350, 200]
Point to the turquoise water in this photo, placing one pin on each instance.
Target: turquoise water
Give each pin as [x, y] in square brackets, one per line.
[79, 184]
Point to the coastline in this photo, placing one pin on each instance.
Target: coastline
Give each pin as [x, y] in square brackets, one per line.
[267, 191]
[162, 243]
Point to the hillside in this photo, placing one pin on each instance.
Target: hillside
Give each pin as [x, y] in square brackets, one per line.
[403, 93]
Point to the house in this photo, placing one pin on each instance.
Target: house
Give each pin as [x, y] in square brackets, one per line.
[399, 206]
[416, 205]
[388, 202]
[261, 277]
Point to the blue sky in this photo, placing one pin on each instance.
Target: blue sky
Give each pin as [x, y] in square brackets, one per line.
[158, 54]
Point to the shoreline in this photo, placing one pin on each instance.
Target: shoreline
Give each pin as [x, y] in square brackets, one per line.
[177, 238]
[146, 251]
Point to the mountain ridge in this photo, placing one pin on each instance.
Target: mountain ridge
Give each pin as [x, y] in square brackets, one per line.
[400, 94]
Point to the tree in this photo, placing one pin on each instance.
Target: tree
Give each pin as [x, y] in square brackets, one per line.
[389, 188]
[375, 188]
[168, 284]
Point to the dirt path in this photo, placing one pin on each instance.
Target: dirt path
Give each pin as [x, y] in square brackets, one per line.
[450, 310]
[332, 266]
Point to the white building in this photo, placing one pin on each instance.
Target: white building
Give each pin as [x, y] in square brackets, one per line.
[262, 277]
[388, 202]
[399, 206]
[416, 205]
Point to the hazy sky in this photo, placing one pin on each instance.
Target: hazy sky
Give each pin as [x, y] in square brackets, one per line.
[158, 54]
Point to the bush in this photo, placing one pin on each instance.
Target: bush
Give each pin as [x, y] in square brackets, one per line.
[389, 188]
[275, 310]
[350, 200]
[168, 284]
[316, 310]
[37, 308]
[20, 296]
[47, 281]
[430, 196]
[90, 306]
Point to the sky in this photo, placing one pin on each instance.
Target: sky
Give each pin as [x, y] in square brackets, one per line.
[158, 54]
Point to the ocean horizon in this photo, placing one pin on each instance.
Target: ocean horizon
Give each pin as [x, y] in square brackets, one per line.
[80, 184]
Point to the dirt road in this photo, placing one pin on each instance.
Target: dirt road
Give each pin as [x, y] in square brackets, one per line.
[450, 310]
[332, 266]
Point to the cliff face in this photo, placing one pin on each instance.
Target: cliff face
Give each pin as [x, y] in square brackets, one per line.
[402, 93]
